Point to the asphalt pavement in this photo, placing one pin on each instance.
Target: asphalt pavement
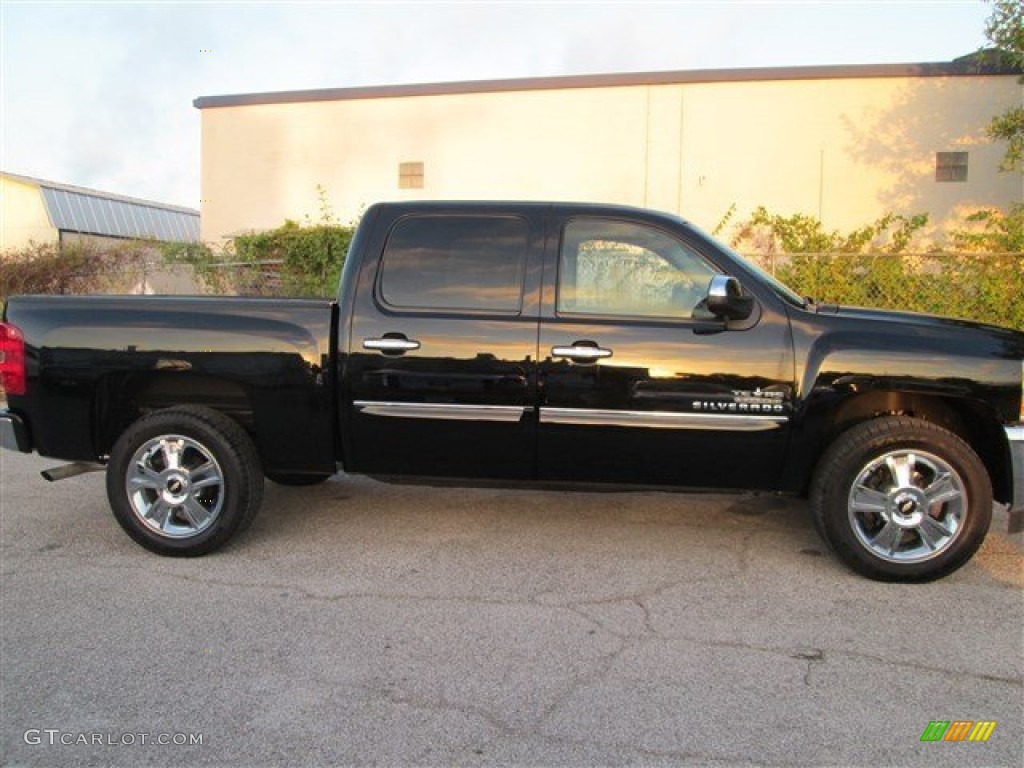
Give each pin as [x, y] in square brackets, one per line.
[358, 623]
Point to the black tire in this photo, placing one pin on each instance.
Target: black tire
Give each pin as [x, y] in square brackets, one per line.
[296, 480]
[901, 499]
[183, 481]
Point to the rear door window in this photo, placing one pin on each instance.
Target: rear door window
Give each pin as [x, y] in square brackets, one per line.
[469, 264]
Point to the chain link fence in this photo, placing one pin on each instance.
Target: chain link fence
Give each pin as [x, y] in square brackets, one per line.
[83, 268]
[987, 287]
[244, 278]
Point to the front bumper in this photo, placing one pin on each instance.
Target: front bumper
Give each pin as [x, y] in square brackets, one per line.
[13, 433]
[1015, 439]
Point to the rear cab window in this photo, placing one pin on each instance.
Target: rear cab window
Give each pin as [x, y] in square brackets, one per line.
[471, 264]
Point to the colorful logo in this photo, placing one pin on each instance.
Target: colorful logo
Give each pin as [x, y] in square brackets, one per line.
[958, 730]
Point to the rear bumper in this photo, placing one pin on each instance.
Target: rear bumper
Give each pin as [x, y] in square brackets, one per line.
[1015, 439]
[13, 433]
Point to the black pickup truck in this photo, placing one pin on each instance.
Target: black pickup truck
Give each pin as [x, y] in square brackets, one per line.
[529, 343]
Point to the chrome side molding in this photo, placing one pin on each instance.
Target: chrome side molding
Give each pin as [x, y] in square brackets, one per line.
[445, 411]
[717, 422]
[720, 422]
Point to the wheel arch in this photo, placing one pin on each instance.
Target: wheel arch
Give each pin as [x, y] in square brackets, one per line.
[972, 421]
[121, 400]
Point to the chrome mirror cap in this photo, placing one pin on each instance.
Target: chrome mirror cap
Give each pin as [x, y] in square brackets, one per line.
[726, 299]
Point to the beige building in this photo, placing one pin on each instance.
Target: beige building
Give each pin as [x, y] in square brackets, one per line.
[40, 211]
[847, 144]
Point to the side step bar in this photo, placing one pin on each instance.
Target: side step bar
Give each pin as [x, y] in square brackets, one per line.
[71, 470]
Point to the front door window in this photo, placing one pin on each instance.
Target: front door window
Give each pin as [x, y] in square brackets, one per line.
[621, 269]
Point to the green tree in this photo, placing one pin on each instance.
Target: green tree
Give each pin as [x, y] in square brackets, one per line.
[1005, 30]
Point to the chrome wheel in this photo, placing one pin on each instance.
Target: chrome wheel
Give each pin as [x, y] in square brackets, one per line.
[907, 506]
[175, 486]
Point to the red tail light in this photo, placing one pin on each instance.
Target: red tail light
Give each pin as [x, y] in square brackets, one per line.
[12, 360]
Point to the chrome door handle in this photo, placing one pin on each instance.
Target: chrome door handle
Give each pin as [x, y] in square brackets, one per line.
[581, 352]
[391, 344]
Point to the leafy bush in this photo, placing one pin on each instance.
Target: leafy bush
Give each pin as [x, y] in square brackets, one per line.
[984, 287]
[869, 267]
[310, 258]
[71, 268]
[206, 265]
[994, 231]
[295, 259]
[800, 233]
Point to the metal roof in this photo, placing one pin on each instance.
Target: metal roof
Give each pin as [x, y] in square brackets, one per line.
[965, 66]
[89, 211]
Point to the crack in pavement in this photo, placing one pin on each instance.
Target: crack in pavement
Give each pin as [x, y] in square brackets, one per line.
[578, 607]
[812, 656]
[536, 732]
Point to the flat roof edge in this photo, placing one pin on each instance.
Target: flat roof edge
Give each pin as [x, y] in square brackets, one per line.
[679, 77]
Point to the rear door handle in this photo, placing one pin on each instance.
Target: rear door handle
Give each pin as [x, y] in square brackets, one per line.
[395, 345]
[582, 350]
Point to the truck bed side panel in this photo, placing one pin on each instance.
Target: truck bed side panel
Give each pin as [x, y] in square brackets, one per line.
[95, 363]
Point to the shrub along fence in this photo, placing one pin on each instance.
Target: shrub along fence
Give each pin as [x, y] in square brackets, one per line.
[74, 268]
[987, 287]
[292, 260]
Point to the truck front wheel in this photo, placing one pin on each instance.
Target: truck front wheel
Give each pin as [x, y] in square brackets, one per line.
[901, 499]
[183, 481]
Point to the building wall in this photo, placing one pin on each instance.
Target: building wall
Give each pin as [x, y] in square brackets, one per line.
[97, 242]
[847, 150]
[23, 215]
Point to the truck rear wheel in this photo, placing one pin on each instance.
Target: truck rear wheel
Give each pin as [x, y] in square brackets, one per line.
[901, 499]
[183, 481]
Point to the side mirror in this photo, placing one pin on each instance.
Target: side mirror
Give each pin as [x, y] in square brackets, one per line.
[726, 300]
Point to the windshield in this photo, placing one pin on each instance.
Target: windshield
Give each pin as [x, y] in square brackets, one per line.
[782, 290]
[779, 288]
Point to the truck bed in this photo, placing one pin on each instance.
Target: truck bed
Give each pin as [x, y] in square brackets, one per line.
[104, 360]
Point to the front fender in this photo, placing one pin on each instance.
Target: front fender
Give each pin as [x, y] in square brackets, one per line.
[965, 378]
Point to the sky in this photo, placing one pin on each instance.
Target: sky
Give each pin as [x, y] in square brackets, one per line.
[99, 94]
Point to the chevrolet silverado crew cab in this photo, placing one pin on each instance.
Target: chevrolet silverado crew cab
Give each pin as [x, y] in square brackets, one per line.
[529, 343]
